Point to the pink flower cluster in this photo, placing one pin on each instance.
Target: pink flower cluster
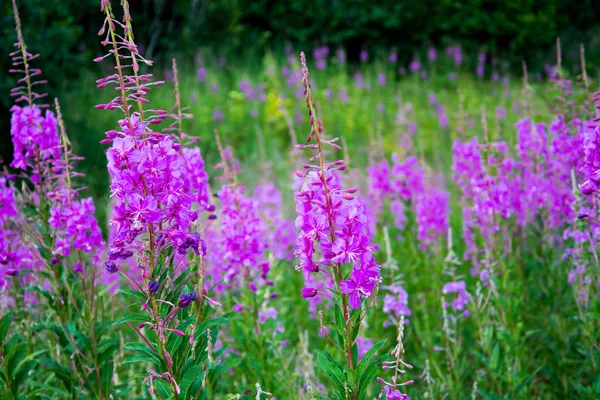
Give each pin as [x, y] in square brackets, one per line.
[405, 186]
[15, 256]
[149, 187]
[238, 243]
[314, 246]
[461, 298]
[281, 233]
[75, 226]
[197, 177]
[35, 137]
[534, 185]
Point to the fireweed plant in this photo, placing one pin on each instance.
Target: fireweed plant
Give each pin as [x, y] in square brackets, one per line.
[336, 259]
[239, 271]
[51, 247]
[155, 222]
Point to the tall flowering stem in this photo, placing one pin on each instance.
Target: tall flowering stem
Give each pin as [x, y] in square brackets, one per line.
[153, 216]
[24, 91]
[333, 223]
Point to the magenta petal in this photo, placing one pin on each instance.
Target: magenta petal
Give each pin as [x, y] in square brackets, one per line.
[347, 287]
[354, 300]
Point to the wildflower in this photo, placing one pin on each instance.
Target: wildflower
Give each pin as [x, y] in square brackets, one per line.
[201, 74]
[153, 286]
[360, 284]
[431, 54]
[187, 299]
[111, 267]
[309, 292]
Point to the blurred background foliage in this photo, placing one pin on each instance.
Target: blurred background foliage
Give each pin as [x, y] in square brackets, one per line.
[64, 32]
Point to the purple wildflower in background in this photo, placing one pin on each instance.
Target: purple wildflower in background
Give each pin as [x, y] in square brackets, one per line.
[197, 176]
[218, 115]
[321, 54]
[201, 74]
[343, 96]
[431, 54]
[395, 304]
[414, 66]
[591, 166]
[442, 117]
[407, 177]
[455, 52]
[359, 80]
[381, 79]
[432, 99]
[462, 297]
[247, 89]
[281, 233]
[364, 56]
[238, 243]
[364, 345]
[481, 58]
[500, 113]
[431, 212]
[341, 56]
[393, 58]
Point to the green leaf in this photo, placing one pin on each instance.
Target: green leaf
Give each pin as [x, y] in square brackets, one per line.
[107, 348]
[489, 395]
[134, 293]
[139, 347]
[140, 358]
[495, 358]
[332, 368]
[366, 378]
[107, 373]
[188, 378]
[26, 359]
[16, 351]
[211, 323]
[4, 325]
[22, 373]
[366, 360]
[131, 317]
[163, 388]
